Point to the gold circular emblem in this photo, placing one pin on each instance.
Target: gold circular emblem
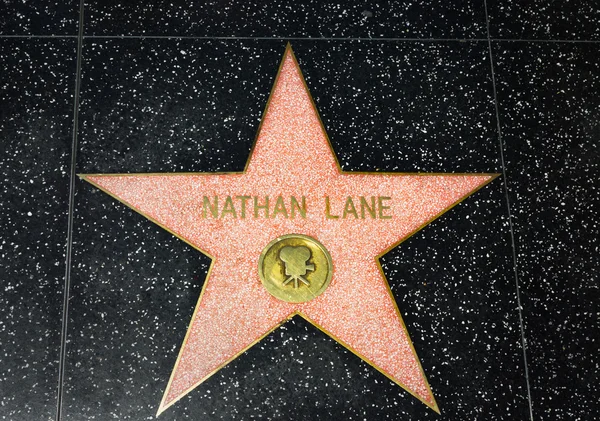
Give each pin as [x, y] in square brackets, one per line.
[295, 268]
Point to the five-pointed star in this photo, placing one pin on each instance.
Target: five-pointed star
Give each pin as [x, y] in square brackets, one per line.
[292, 156]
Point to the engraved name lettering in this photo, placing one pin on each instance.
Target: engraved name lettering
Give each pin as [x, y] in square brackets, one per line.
[374, 207]
[242, 207]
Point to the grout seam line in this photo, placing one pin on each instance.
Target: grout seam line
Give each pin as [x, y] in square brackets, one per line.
[67, 284]
[510, 224]
[259, 38]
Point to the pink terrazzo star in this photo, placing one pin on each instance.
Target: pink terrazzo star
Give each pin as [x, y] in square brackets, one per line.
[292, 157]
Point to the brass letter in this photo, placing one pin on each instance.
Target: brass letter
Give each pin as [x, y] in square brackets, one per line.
[301, 209]
[349, 208]
[214, 210]
[328, 210]
[364, 205]
[382, 208]
[279, 208]
[265, 207]
[243, 199]
[228, 208]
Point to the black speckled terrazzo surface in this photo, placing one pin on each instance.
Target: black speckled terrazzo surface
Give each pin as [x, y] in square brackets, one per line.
[555, 197]
[36, 121]
[400, 86]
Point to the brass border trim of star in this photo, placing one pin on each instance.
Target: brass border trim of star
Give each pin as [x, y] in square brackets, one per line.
[288, 48]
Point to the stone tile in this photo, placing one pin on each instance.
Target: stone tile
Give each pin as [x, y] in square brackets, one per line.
[39, 17]
[548, 96]
[544, 19]
[36, 123]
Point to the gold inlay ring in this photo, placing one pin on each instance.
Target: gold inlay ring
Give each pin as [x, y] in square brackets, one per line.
[295, 268]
